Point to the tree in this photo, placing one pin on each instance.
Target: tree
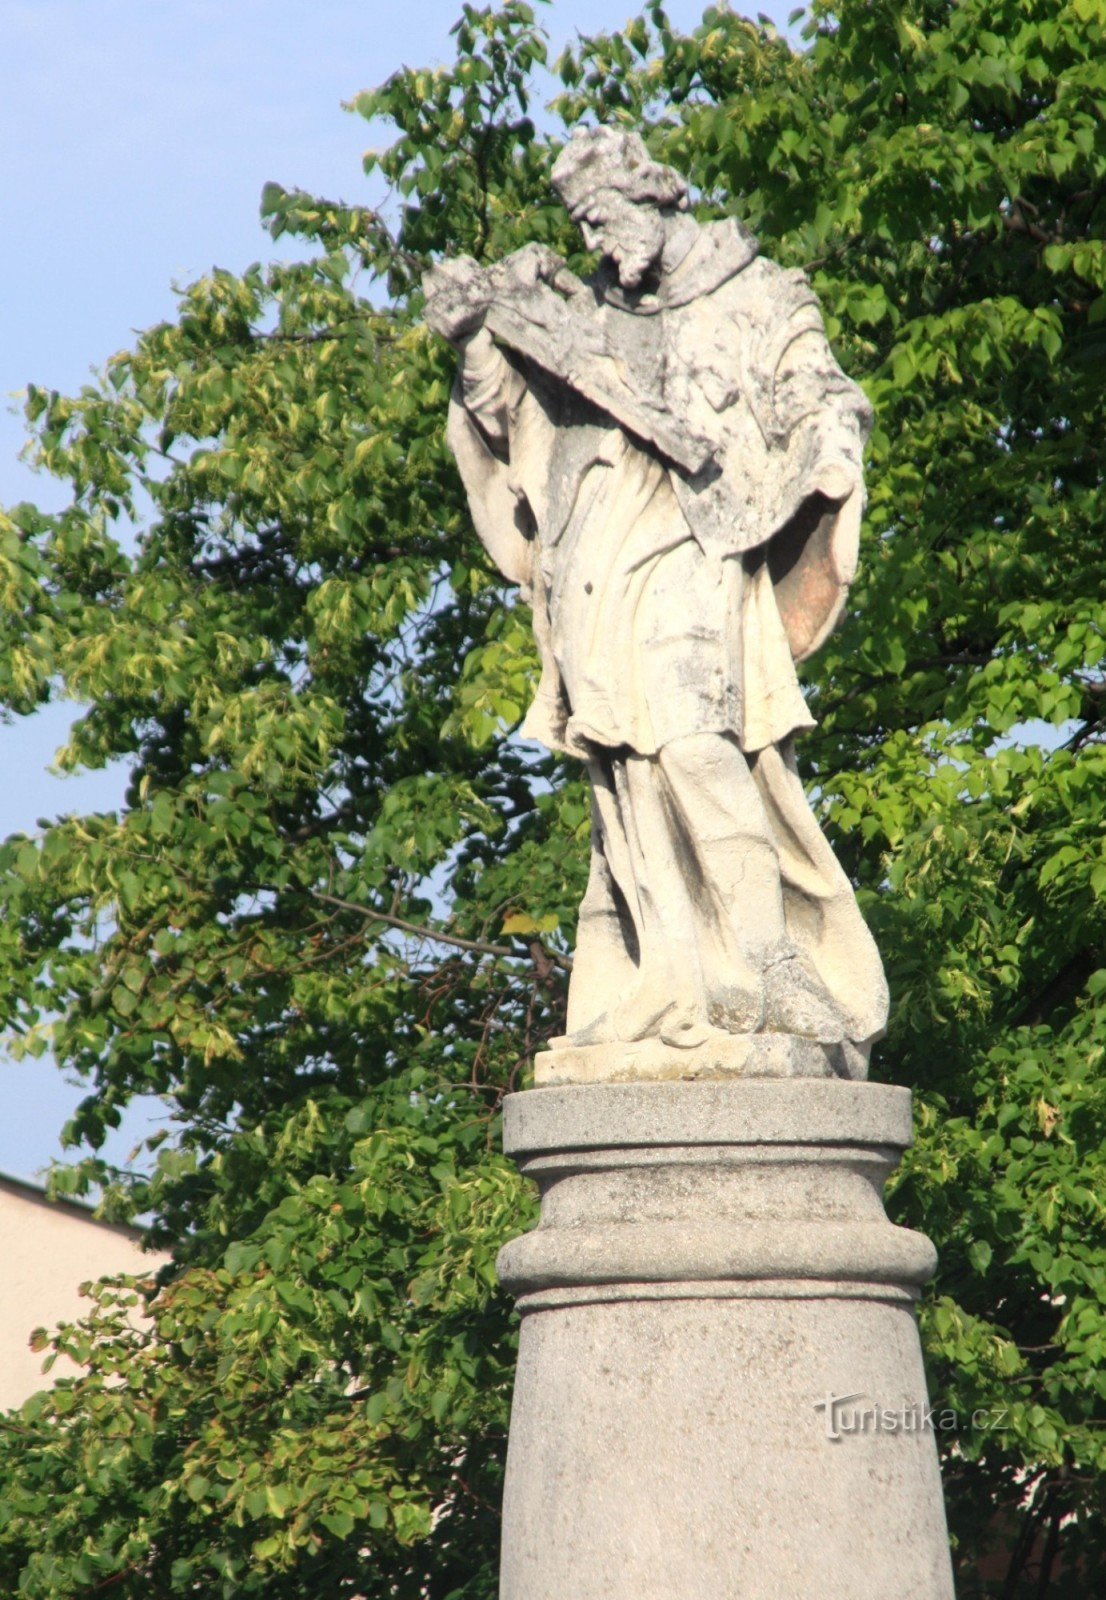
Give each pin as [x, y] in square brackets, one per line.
[332, 921]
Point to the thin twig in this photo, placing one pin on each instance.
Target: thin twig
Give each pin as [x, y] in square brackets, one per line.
[477, 946]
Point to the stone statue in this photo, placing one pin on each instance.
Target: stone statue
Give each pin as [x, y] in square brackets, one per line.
[667, 460]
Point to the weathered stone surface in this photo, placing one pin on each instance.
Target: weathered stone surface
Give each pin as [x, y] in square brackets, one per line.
[758, 1112]
[720, 1055]
[673, 1450]
[712, 1267]
[667, 460]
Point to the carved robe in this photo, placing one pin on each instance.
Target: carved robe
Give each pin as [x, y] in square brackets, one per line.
[669, 608]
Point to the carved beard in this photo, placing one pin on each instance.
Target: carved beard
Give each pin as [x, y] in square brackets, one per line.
[633, 263]
[632, 243]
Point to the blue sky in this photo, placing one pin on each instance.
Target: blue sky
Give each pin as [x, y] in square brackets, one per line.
[135, 139]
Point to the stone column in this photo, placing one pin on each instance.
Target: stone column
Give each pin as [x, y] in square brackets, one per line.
[720, 1392]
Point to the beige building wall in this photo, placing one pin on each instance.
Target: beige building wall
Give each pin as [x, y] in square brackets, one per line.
[47, 1250]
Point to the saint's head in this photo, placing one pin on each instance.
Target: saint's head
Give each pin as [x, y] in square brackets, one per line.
[620, 197]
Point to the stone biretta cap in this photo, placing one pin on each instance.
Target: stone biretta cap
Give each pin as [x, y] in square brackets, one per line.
[613, 158]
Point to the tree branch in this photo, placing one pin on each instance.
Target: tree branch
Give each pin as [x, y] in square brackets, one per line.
[477, 946]
[1063, 986]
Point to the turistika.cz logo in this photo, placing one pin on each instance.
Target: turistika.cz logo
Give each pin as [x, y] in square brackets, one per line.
[848, 1414]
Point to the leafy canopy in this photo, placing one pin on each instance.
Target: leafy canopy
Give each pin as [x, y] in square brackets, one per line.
[332, 921]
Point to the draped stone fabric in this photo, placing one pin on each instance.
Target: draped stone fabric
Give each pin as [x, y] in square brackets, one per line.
[670, 607]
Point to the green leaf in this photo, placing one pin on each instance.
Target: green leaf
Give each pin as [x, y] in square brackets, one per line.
[979, 1254]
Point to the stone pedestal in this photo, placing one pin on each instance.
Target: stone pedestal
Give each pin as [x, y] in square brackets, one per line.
[720, 1392]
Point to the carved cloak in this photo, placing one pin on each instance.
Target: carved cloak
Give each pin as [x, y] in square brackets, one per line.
[668, 602]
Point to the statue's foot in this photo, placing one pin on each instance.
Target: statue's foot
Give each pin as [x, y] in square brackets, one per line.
[798, 1002]
[642, 1016]
[638, 1017]
[684, 1029]
[599, 1031]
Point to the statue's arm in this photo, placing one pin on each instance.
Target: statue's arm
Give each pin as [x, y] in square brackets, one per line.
[458, 298]
[822, 419]
[490, 389]
[812, 395]
[484, 403]
[482, 413]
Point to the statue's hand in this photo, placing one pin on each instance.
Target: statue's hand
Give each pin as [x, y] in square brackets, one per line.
[457, 299]
[836, 478]
[533, 264]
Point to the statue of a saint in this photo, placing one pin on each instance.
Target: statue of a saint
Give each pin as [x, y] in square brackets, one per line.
[667, 460]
